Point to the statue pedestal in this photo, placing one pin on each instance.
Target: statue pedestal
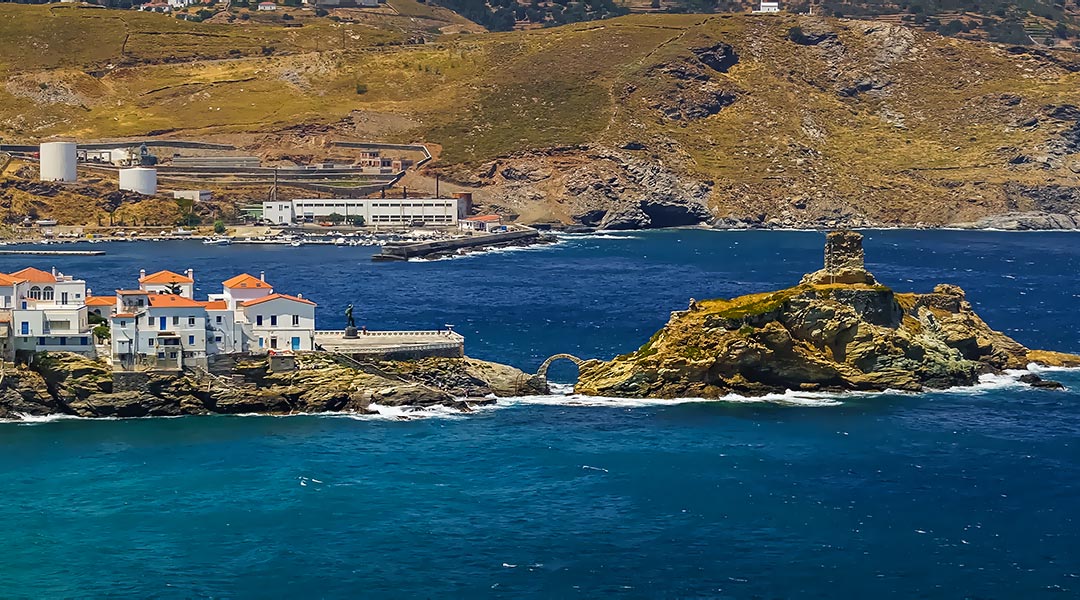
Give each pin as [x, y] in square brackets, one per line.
[350, 333]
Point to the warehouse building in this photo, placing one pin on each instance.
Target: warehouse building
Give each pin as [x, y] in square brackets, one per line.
[375, 211]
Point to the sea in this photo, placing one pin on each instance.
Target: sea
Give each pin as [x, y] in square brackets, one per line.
[969, 493]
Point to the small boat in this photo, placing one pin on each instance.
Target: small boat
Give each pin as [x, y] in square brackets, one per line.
[296, 243]
[217, 241]
[340, 241]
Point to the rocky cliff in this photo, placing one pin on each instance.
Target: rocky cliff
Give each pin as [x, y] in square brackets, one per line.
[838, 330]
[60, 383]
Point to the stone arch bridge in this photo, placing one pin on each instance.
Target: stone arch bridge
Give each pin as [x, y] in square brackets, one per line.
[543, 370]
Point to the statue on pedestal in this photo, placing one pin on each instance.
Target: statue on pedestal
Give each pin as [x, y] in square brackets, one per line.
[350, 322]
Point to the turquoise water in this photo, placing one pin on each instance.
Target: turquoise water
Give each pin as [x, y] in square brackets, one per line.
[971, 493]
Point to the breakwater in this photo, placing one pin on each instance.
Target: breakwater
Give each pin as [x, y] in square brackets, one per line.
[427, 249]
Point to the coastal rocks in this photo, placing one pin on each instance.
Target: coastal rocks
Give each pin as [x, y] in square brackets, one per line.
[1025, 221]
[819, 335]
[601, 187]
[61, 383]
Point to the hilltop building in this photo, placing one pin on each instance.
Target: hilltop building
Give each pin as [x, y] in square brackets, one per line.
[768, 7]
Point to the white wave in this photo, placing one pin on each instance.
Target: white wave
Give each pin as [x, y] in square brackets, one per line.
[790, 398]
[607, 235]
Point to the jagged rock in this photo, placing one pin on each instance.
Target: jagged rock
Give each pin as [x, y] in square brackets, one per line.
[1026, 221]
[719, 57]
[817, 335]
[1038, 382]
[71, 384]
[125, 405]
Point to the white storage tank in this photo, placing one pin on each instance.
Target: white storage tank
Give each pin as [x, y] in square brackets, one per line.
[58, 161]
[139, 179]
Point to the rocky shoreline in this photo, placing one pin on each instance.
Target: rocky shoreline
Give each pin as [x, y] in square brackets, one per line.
[69, 384]
[838, 330]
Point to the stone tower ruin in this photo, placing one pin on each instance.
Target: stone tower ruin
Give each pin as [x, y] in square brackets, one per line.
[844, 261]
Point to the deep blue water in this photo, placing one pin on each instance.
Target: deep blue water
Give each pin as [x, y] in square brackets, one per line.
[964, 494]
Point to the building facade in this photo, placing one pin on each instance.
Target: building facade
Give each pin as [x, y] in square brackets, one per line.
[375, 211]
[45, 311]
[162, 326]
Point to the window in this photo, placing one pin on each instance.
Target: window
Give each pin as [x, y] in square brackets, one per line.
[47, 293]
[218, 318]
[296, 320]
[41, 341]
[24, 328]
[139, 302]
[273, 320]
[191, 340]
[191, 320]
[258, 320]
[63, 341]
[150, 321]
[35, 293]
[217, 338]
[260, 342]
[123, 323]
[84, 341]
[161, 355]
[172, 355]
[176, 320]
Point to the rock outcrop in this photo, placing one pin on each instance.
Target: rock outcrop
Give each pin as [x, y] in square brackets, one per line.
[61, 383]
[838, 330]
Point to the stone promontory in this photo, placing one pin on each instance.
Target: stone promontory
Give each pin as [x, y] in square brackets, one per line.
[838, 330]
[70, 384]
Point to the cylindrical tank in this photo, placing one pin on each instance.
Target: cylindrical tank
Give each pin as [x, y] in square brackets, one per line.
[139, 179]
[58, 161]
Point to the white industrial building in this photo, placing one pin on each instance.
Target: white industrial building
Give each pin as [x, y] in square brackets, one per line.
[58, 161]
[768, 7]
[161, 325]
[375, 211]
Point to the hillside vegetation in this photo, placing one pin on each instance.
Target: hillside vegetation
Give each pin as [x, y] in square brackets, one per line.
[637, 121]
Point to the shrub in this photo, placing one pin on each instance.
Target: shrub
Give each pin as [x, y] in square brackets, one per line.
[219, 227]
[361, 88]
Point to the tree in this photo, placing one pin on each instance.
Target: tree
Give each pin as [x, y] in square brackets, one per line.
[219, 227]
[190, 220]
[953, 27]
[102, 333]
[335, 218]
[358, 221]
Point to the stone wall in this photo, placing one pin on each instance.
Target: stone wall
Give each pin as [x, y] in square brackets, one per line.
[844, 252]
[131, 381]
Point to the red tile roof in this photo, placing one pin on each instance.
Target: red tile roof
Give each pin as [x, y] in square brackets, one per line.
[278, 297]
[162, 277]
[34, 275]
[216, 305]
[132, 293]
[246, 281]
[173, 301]
[9, 280]
[485, 218]
[100, 300]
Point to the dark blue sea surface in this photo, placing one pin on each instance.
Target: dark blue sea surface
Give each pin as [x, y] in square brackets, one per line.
[970, 493]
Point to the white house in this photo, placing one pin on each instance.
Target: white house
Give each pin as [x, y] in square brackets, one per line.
[481, 223]
[161, 326]
[280, 322]
[47, 312]
[167, 282]
[768, 7]
[267, 6]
